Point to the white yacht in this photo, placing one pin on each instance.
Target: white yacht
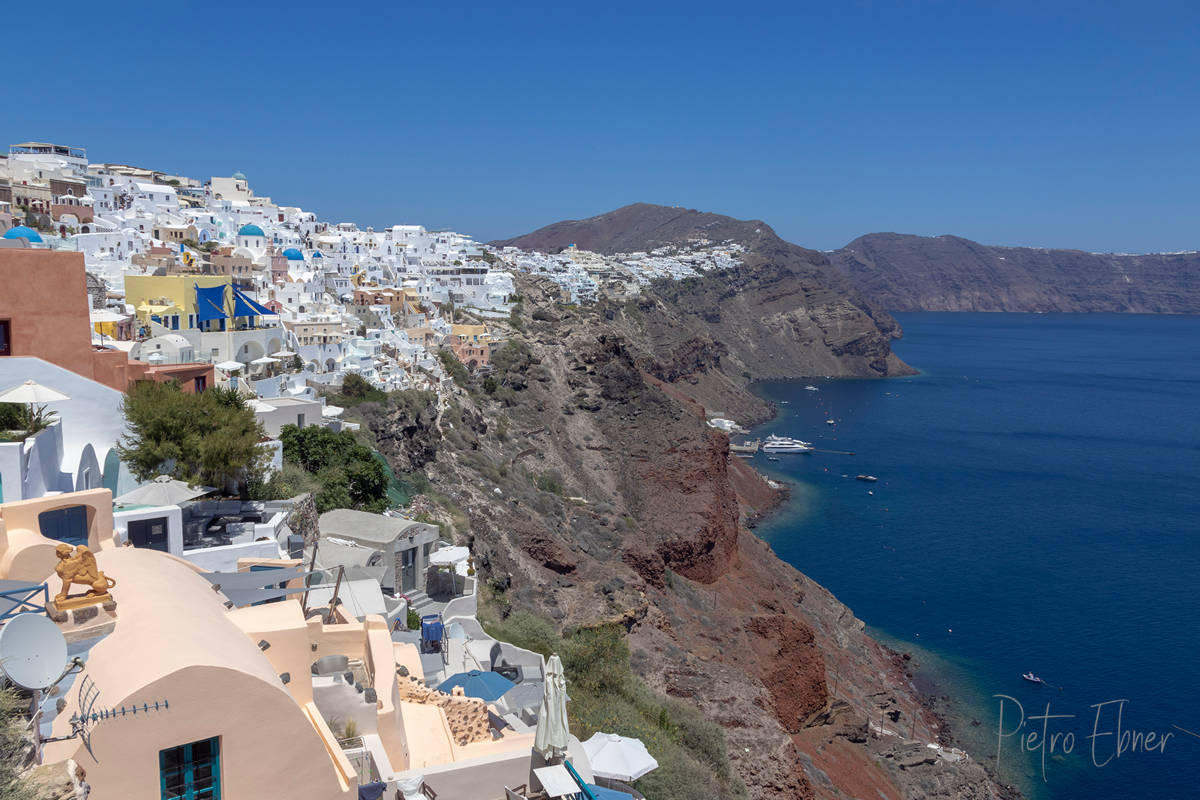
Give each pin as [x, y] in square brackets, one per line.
[785, 444]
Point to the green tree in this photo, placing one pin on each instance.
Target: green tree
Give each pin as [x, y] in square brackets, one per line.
[208, 438]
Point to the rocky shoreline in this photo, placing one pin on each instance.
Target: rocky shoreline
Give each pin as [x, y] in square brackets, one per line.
[934, 704]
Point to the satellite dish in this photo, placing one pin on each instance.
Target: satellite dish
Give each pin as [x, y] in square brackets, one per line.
[33, 651]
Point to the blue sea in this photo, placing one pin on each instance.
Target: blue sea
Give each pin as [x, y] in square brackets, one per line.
[1036, 509]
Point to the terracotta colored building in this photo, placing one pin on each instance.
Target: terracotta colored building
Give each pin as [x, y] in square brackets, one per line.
[44, 313]
[471, 344]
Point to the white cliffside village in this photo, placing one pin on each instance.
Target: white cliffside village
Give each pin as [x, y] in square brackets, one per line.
[339, 298]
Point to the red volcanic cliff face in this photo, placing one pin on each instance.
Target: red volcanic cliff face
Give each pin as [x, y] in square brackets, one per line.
[607, 497]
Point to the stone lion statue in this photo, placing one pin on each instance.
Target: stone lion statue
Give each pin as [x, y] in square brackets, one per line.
[80, 568]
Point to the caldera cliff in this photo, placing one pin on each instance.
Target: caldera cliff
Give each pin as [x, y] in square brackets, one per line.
[582, 473]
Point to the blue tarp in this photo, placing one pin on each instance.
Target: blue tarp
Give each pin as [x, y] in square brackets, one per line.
[210, 303]
[487, 686]
[601, 793]
[243, 306]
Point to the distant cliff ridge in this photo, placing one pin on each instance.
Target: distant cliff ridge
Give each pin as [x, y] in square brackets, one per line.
[947, 273]
[785, 312]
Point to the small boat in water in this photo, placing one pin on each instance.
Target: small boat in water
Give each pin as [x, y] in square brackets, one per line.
[867, 478]
[772, 458]
[830, 422]
[1029, 676]
[811, 388]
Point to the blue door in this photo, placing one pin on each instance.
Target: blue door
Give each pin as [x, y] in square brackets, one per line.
[65, 524]
[191, 771]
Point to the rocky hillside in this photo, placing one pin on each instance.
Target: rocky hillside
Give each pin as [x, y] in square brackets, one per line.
[784, 313]
[582, 474]
[948, 273]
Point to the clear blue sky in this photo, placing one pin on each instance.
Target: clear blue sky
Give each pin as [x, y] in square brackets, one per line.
[1045, 123]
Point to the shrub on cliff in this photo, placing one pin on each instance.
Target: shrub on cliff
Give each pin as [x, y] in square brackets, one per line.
[16, 751]
[514, 356]
[348, 473]
[454, 368]
[356, 389]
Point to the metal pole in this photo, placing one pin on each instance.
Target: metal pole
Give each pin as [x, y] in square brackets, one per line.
[312, 564]
[333, 601]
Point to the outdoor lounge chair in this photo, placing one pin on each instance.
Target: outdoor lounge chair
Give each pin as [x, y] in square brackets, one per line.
[515, 794]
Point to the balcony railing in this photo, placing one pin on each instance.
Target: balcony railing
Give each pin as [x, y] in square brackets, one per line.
[18, 597]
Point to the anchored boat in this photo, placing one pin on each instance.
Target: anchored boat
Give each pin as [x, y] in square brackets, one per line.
[785, 444]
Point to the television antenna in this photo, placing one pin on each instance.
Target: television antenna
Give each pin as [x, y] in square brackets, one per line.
[33, 651]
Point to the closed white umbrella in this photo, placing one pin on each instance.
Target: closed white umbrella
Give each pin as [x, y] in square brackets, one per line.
[618, 758]
[553, 734]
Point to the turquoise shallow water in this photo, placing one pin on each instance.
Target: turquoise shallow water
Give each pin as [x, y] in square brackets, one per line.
[1036, 509]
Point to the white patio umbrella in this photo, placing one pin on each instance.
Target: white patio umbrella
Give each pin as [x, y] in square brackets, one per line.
[618, 758]
[230, 366]
[553, 734]
[265, 360]
[105, 315]
[283, 354]
[32, 392]
[162, 491]
[99, 315]
[449, 555]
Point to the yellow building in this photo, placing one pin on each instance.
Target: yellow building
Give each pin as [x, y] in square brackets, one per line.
[171, 301]
[166, 296]
[470, 333]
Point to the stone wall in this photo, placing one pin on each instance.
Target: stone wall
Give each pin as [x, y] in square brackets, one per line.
[467, 716]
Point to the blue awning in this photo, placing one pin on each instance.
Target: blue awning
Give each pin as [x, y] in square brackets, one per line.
[210, 303]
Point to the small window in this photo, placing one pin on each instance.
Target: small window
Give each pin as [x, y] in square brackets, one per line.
[5, 338]
[191, 771]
